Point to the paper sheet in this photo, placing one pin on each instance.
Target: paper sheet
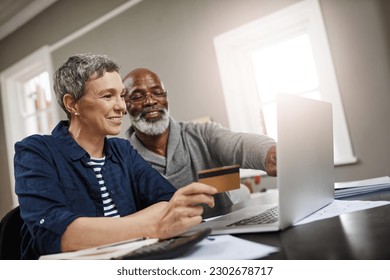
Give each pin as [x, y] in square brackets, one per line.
[105, 252]
[338, 207]
[227, 247]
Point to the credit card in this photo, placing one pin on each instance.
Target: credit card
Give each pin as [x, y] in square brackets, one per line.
[224, 178]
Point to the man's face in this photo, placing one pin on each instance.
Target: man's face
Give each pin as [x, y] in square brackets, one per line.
[147, 103]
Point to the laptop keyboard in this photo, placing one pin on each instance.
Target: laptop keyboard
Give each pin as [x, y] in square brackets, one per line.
[269, 216]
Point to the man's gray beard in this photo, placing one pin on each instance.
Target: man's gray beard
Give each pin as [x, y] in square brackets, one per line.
[151, 128]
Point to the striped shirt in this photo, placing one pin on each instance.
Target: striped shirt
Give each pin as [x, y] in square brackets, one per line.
[109, 207]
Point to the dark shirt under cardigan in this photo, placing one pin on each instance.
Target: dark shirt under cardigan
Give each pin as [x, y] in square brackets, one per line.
[55, 185]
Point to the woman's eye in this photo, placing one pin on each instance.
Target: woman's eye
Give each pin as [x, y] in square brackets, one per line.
[107, 96]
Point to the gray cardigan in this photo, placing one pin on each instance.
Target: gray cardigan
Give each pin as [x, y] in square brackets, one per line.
[196, 146]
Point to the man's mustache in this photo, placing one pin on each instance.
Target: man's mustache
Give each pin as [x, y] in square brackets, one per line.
[152, 109]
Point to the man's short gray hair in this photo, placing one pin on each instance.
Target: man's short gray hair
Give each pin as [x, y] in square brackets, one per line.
[73, 75]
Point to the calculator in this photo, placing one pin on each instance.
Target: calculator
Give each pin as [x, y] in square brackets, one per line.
[168, 248]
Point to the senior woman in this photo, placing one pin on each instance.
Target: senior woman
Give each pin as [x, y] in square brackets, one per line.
[77, 188]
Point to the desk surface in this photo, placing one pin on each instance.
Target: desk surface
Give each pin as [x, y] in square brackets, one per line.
[361, 235]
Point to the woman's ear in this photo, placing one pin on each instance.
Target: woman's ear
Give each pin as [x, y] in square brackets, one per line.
[70, 104]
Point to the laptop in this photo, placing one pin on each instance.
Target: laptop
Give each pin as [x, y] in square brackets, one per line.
[305, 168]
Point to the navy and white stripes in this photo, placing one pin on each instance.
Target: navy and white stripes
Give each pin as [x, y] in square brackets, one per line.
[109, 207]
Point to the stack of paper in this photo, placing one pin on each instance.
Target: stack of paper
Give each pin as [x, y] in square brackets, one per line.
[346, 189]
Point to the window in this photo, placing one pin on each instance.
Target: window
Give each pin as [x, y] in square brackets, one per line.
[35, 104]
[27, 101]
[285, 52]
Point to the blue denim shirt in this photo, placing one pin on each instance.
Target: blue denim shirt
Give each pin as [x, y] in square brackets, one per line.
[55, 185]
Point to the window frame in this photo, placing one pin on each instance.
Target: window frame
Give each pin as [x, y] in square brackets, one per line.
[12, 80]
[233, 51]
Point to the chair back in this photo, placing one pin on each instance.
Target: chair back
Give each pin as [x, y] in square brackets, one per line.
[10, 237]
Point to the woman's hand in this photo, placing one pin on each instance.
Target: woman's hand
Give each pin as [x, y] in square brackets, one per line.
[184, 210]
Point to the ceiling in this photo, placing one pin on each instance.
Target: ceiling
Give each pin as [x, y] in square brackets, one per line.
[14, 13]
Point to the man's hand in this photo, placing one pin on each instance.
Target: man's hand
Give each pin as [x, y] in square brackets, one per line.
[184, 210]
[270, 161]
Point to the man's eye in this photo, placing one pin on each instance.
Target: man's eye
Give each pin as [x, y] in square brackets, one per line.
[158, 93]
[136, 97]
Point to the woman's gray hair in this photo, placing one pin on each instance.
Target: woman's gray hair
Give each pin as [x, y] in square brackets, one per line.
[73, 75]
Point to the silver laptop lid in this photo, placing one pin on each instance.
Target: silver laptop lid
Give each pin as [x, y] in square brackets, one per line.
[304, 157]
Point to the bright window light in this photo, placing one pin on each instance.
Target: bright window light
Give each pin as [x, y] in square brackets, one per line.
[284, 67]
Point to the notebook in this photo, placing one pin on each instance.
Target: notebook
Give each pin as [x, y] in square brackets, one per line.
[305, 168]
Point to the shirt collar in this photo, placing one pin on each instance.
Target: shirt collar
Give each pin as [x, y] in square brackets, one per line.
[74, 150]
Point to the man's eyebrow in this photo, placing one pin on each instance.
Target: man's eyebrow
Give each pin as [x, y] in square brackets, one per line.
[142, 90]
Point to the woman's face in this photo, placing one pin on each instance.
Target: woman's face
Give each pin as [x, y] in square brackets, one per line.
[102, 107]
